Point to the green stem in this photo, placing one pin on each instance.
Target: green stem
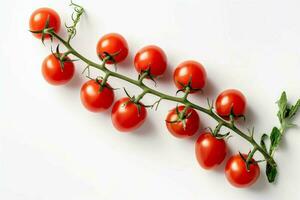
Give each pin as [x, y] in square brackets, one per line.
[142, 77]
[217, 129]
[64, 55]
[78, 10]
[139, 97]
[183, 112]
[104, 80]
[183, 100]
[186, 93]
[251, 154]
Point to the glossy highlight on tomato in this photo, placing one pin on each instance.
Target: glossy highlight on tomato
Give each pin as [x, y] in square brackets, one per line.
[54, 73]
[112, 43]
[231, 100]
[39, 18]
[190, 72]
[237, 174]
[126, 116]
[151, 58]
[210, 151]
[95, 100]
[177, 129]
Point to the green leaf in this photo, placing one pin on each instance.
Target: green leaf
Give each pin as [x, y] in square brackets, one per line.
[294, 109]
[286, 112]
[262, 141]
[282, 105]
[275, 138]
[271, 173]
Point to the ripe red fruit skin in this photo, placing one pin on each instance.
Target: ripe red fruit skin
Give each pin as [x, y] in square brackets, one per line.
[95, 100]
[54, 73]
[230, 100]
[210, 151]
[112, 43]
[126, 116]
[237, 174]
[190, 71]
[152, 57]
[39, 18]
[177, 128]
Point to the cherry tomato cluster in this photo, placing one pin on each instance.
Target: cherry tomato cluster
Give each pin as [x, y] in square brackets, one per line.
[129, 113]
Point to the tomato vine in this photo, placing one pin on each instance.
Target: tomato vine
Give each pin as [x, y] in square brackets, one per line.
[285, 113]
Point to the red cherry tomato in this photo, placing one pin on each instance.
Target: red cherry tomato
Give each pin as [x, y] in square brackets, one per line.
[237, 174]
[152, 58]
[190, 71]
[113, 43]
[95, 100]
[126, 115]
[54, 73]
[231, 100]
[210, 151]
[178, 129]
[39, 18]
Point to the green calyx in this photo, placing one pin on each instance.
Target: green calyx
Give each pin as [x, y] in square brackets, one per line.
[187, 88]
[182, 116]
[62, 57]
[45, 31]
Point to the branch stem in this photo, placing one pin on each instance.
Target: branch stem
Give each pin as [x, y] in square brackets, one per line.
[182, 100]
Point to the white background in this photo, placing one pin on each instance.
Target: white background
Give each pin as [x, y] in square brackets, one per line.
[52, 148]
